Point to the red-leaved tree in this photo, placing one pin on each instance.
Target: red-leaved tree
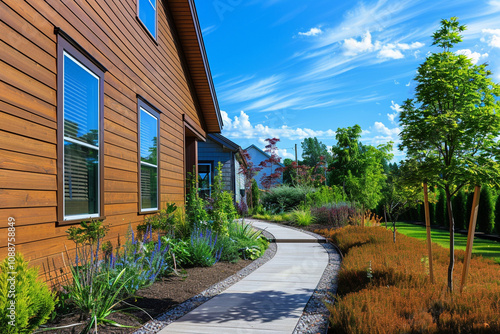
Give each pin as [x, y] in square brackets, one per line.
[274, 161]
[248, 170]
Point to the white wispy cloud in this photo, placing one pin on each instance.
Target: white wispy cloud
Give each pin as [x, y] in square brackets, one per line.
[251, 90]
[389, 53]
[492, 37]
[241, 127]
[353, 47]
[397, 109]
[312, 32]
[474, 56]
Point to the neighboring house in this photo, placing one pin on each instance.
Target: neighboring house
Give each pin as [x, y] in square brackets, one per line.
[257, 156]
[217, 149]
[101, 110]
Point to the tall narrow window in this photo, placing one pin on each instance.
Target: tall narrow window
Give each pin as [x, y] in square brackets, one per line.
[204, 179]
[148, 162]
[146, 11]
[80, 111]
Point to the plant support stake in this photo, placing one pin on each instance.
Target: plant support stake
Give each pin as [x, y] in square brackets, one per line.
[470, 236]
[428, 227]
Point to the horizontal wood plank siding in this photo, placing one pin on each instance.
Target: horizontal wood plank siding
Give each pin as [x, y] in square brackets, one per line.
[136, 65]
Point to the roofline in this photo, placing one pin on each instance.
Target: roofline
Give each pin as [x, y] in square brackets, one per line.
[266, 154]
[203, 52]
[224, 141]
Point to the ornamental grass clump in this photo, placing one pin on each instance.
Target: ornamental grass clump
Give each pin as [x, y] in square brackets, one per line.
[397, 296]
[335, 215]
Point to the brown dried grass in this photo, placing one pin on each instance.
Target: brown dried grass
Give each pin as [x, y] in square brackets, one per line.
[385, 287]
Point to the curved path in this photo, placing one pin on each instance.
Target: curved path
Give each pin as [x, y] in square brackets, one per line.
[269, 300]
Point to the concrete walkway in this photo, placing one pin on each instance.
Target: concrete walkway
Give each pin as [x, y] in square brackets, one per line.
[269, 300]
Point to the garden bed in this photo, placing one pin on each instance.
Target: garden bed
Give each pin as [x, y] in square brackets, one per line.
[160, 297]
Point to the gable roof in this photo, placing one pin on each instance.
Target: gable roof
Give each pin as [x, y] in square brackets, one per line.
[223, 141]
[188, 30]
[262, 152]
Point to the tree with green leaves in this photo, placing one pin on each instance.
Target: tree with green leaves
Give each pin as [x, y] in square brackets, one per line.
[312, 151]
[345, 155]
[485, 215]
[450, 128]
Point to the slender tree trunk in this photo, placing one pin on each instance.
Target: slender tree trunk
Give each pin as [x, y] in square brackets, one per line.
[452, 238]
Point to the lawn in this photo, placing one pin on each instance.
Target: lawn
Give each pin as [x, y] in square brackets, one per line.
[486, 248]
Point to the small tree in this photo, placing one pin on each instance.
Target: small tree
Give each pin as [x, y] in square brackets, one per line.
[274, 161]
[248, 170]
[451, 126]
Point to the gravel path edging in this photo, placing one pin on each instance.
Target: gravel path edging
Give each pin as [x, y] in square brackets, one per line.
[154, 326]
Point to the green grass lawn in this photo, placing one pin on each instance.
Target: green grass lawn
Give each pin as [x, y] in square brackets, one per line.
[486, 248]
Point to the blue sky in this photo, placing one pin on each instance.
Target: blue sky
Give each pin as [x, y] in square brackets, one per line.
[295, 68]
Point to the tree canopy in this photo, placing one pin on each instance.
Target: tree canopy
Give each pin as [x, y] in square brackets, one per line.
[450, 128]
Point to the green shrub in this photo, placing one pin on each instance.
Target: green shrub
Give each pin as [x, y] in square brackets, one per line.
[460, 211]
[302, 217]
[195, 205]
[285, 198]
[485, 218]
[223, 211]
[163, 221]
[325, 195]
[255, 194]
[34, 302]
[497, 216]
[179, 249]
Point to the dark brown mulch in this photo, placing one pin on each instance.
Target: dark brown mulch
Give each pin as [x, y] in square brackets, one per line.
[159, 297]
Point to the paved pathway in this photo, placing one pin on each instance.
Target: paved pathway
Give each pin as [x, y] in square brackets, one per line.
[269, 300]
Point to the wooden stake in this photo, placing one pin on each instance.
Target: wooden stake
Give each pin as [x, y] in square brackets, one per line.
[470, 236]
[428, 226]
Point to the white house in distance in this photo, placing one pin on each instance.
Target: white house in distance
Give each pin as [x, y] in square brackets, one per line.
[257, 156]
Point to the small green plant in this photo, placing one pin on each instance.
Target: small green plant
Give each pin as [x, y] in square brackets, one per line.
[302, 217]
[223, 211]
[195, 205]
[25, 301]
[162, 222]
[178, 249]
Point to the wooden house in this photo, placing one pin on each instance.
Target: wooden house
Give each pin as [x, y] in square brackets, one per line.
[257, 156]
[102, 106]
[215, 149]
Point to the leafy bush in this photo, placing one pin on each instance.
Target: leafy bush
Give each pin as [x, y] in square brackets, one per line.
[325, 195]
[242, 208]
[335, 215]
[34, 302]
[195, 205]
[384, 287]
[222, 211]
[497, 215]
[285, 198]
[302, 217]
[203, 248]
[485, 215]
[179, 249]
[162, 222]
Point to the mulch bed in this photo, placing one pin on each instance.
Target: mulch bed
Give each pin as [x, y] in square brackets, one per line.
[158, 298]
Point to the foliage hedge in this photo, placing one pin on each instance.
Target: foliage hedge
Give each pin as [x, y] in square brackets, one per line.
[284, 198]
[485, 215]
[384, 287]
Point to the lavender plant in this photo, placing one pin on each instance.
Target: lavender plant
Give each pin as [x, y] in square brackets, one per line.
[203, 248]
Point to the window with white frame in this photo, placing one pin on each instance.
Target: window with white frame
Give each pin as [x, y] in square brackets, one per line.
[81, 135]
[148, 162]
[146, 11]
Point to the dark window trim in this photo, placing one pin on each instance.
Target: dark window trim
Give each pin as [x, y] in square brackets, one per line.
[212, 171]
[66, 43]
[155, 39]
[144, 104]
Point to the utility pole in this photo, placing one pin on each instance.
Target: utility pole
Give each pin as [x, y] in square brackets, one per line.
[296, 160]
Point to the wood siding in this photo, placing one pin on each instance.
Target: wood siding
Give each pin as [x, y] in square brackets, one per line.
[137, 65]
